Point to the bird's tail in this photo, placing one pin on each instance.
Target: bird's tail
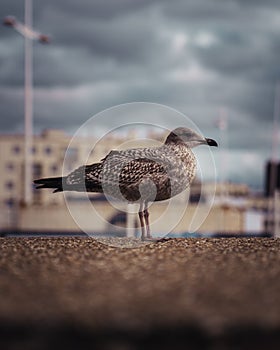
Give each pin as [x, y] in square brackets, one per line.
[50, 182]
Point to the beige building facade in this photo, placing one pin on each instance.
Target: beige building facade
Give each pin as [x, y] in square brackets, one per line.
[50, 151]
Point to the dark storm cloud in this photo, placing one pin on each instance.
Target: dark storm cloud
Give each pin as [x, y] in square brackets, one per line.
[196, 56]
[129, 40]
[12, 107]
[244, 54]
[97, 9]
[123, 40]
[266, 4]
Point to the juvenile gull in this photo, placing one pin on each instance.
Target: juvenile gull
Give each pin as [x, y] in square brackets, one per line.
[140, 175]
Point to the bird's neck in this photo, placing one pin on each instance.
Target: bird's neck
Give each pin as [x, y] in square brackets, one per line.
[173, 139]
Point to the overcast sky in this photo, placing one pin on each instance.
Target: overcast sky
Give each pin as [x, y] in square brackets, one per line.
[197, 56]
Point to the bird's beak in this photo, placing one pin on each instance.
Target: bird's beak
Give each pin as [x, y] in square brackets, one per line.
[211, 142]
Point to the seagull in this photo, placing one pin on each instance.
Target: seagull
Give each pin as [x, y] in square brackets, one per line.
[138, 175]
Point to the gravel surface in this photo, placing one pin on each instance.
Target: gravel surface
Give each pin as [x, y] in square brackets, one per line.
[180, 293]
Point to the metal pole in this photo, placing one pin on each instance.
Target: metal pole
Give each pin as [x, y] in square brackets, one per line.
[28, 107]
[275, 122]
[274, 165]
[224, 147]
[223, 125]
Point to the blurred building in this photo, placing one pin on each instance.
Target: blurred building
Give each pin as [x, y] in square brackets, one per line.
[51, 150]
[272, 177]
[47, 156]
[272, 192]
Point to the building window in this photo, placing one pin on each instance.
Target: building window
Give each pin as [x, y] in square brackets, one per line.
[10, 202]
[10, 166]
[9, 185]
[16, 149]
[48, 150]
[37, 170]
[54, 168]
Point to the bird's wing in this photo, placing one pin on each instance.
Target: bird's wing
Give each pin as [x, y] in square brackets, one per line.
[129, 170]
[133, 179]
[123, 168]
[84, 176]
[90, 175]
[134, 171]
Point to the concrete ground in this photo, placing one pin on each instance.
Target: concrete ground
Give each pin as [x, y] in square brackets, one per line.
[75, 293]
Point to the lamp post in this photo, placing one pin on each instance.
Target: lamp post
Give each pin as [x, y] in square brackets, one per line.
[29, 35]
[275, 162]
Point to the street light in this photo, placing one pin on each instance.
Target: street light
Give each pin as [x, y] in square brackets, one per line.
[29, 35]
[25, 30]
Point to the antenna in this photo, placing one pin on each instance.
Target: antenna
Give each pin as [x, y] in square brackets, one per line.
[275, 131]
[223, 128]
[274, 163]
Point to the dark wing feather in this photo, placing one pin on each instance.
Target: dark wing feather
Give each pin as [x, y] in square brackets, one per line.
[84, 178]
[121, 173]
[146, 179]
[136, 170]
[122, 176]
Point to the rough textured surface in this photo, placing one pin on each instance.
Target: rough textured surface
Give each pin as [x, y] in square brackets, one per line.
[206, 293]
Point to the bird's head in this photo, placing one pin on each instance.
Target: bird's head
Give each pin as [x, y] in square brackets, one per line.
[189, 138]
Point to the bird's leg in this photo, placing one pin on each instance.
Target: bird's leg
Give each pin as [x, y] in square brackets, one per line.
[142, 224]
[146, 217]
[149, 237]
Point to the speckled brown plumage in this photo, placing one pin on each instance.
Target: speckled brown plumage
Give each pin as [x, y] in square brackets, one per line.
[170, 168]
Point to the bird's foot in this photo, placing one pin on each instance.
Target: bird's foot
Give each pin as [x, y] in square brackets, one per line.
[155, 239]
[163, 239]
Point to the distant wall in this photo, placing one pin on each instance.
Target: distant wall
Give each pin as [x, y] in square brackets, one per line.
[56, 218]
